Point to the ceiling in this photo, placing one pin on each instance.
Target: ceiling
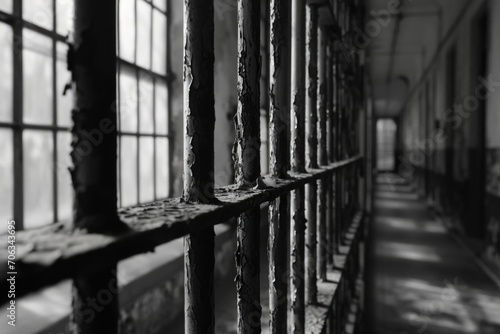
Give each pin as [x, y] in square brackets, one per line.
[403, 45]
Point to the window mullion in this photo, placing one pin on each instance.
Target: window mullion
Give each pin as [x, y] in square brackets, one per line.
[54, 118]
[18, 116]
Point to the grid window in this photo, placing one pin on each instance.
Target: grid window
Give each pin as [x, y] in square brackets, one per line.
[34, 114]
[143, 96]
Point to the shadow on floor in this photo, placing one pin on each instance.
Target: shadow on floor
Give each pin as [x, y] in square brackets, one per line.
[419, 280]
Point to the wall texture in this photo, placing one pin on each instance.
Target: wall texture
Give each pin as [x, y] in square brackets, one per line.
[450, 127]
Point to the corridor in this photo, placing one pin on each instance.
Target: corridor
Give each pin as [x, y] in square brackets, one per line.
[245, 166]
[423, 281]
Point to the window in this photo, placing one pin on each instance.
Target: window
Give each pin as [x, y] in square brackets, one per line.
[143, 108]
[386, 145]
[35, 116]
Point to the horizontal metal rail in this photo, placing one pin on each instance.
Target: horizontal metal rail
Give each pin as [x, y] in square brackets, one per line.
[50, 254]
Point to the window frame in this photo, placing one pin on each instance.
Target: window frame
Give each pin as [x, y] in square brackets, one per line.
[155, 79]
[18, 24]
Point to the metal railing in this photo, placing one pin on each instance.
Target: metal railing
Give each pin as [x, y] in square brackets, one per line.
[315, 216]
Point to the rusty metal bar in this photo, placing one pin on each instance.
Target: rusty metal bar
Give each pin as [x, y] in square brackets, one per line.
[339, 182]
[322, 154]
[311, 105]
[199, 122]
[322, 97]
[311, 290]
[332, 93]
[297, 157]
[247, 165]
[278, 164]
[92, 61]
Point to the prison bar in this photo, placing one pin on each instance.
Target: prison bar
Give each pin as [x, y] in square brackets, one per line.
[92, 62]
[199, 122]
[311, 152]
[278, 163]
[322, 246]
[297, 163]
[105, 235]
[247, 166]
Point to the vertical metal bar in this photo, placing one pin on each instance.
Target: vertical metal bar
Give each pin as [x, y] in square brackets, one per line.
[18, 116]
[322, 154]
[247, 171]
[278, 132]
[312, 86]
[278, 88]
[338, 154]
[297, 157]
[264, 83]
[311, 290]
[297, 103]
[93, 68]
[332, 91]
[199, 123]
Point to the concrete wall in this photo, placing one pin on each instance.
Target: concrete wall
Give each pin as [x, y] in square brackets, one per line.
[447, 136]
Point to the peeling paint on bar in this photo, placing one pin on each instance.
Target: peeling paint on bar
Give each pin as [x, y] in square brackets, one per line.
[322, 98]
[278, 164]
[92, 61]
[57, 251]
[199, 110]
[297, 245]
[297, 162]
[322, 154]
[311, 290]
[311, 119]
[199, 122]
[247, 166]
[278, 86]
[297, 95]
[277, 255]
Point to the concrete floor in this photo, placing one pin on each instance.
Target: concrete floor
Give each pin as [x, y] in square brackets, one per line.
[420, 279]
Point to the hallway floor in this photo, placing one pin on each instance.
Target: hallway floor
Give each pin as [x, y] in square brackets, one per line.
[421, 280]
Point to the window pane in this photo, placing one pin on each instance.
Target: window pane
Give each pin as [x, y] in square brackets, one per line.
[64, 186]
[161, 167]
[147, 169]
[38, 164]
[143, 34]
[128, 100]
[39, 12]
[64, 102]
[7, 179]
[159, 42]
[127, 30]
[65, 14]
[6, 6]
[128, 158]
[161, 108]
[37, 76]
[162, 4]
[6, 65]
[146, 104]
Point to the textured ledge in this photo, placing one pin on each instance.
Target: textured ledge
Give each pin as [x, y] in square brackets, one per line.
[50, 254]
[316, 315]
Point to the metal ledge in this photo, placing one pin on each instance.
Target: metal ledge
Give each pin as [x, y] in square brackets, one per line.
[48, 255]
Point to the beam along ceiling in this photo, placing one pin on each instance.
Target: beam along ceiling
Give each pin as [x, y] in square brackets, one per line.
[403, 45]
